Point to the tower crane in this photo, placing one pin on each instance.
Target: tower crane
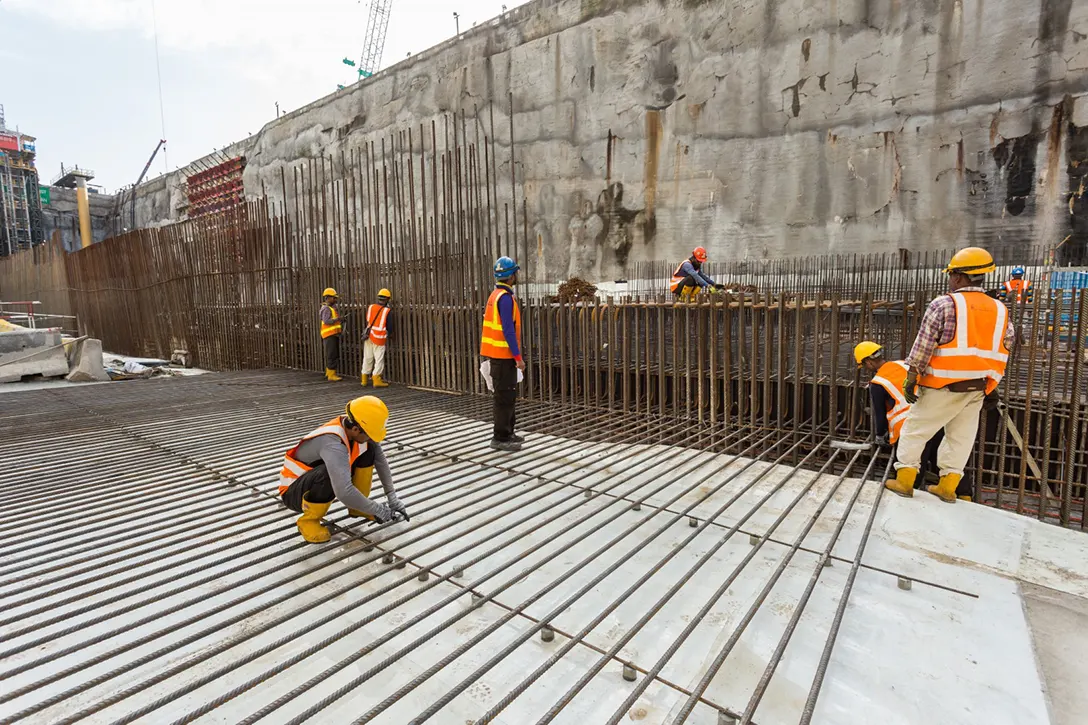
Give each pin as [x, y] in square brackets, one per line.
[374, 41]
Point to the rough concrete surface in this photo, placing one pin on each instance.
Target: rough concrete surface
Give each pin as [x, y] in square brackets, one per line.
[61, 214]
[85, 364]
[31, 352]
[1059, 628]
[753, 127]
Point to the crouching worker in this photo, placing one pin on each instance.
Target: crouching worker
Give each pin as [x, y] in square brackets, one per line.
[337, 461]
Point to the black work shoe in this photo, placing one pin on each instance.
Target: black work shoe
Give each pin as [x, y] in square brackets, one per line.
[509, 446]
[517, 439]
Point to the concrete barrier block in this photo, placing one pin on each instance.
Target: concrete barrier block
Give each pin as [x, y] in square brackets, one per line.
[86, 364]
[32, 352]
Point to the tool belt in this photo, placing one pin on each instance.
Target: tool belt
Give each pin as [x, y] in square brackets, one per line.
[966, 386]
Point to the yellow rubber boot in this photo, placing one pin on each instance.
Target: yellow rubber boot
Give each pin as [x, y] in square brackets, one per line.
[309, 524]
[364, 379]
[331, 376]
[903, 483]
[379, 383]
[946, 489]
[964, 498]
[361, 478]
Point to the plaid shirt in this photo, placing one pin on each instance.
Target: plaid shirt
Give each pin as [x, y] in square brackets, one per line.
[938, 327]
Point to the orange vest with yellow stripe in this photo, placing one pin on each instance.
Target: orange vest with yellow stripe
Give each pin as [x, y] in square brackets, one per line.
[293, 467]
[376, 318]
[328, 329]
[977, 349]
[891, 376]
[492, 342]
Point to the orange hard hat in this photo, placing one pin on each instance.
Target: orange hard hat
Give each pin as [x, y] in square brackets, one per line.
[699, 254]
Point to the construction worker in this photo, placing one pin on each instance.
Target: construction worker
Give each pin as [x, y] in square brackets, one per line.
[331, 327]
[337, 461]
[377, 330]
[500, 342]
[890, 409]
[689, 276]
[956, 363]
[1017, 288]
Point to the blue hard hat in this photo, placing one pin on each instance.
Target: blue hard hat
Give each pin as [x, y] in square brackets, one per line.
[1017, 271]
[505, 267]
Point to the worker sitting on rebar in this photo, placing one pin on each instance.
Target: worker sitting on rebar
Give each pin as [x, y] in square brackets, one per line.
[500, 343]
[890, 408]
[331, 327]
[956, 363]
[689, 277]
[374, 337]
[337, 462]
[1017, 289]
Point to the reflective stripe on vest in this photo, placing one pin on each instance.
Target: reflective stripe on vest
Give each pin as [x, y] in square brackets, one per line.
[977, 349]
[328, 329]
[677, 278]
[293, 467]
[891, 377]
[492, 341]
[376, 318]
[1020, 286]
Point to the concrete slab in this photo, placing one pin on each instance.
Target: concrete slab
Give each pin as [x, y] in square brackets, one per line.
[31, 352]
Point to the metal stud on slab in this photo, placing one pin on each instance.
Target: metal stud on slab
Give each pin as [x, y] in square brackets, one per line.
[753, 539]
[424, 575]
[693, 522]
[725, 718]
[547, 634]
[629, 673]
[905, 584]
[387, 559]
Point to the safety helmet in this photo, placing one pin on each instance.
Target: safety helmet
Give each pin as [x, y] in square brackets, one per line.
[329, 292]
[699, 254]
[865, 349]
[505, 268]
[971, 261]
[383, 292]
[1017, 271]
[368, 413]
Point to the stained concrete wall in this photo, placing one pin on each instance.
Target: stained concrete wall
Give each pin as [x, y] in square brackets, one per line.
[756, 128]
[62, 214]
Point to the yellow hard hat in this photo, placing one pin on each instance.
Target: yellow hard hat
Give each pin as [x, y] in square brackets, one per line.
[370, 414]
[329, 292]
[864, 349]
[972, 261]
[383, 292]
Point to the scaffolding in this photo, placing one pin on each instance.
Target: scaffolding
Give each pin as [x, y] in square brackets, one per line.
[20, 205]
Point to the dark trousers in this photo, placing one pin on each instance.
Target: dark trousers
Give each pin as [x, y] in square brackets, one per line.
[504, 376]
[688, 281]
[932, 471]
[332, 352]
[315, 485]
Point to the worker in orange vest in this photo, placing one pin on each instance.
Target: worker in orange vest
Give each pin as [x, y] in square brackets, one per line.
[1017, 288]
[374, 338]
[500, 343]
[956, 363]
[337, 460]
[331, 327]
[689, 275]
[890, 409]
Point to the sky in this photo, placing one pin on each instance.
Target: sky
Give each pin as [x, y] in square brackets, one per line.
[81, 75]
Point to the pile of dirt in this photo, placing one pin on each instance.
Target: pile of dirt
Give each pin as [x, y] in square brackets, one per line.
[576, 289]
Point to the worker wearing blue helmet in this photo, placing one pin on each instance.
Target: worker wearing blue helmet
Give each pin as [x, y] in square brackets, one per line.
[1017, 288]
[500, 343]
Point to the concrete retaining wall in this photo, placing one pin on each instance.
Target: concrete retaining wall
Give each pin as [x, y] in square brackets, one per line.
[31, 352]
[755, 128]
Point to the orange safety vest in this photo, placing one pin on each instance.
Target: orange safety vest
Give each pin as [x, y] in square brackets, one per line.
[891, 377]
[328, 329]
[376, 317]
[678, 276]
[977, 349]
[293, 467]
[1020, 286]
[492, 341]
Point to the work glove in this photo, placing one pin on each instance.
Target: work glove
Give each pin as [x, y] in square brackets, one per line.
[383, 514]
[909, 386]
[398, 509]
[884, 442]
[991, 402]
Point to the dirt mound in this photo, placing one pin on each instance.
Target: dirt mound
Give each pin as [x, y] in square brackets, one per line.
[576, 289]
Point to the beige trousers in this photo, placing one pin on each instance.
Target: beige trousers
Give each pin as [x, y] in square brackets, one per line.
[373, 358]
[938, 408]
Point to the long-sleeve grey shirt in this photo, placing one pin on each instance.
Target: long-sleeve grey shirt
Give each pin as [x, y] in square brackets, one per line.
[330, 449]
[326, 315]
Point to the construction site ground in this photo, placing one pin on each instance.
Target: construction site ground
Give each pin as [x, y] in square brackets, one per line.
[149, 573]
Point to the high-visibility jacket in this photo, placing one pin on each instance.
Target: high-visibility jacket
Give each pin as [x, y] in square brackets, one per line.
[376, 318]
[328, 329]
[977, 349]
[891, 377]
[492, 341]
[678, 276]
[1020, 287]
[293, 467]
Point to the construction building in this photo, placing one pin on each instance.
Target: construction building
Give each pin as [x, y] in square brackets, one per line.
[20, 205]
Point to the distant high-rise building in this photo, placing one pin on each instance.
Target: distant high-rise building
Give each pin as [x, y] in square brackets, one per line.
[20, 204]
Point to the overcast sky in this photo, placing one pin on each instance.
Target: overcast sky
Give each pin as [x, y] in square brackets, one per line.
[80, 74]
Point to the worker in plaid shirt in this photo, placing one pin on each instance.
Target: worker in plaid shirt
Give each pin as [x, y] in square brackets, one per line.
[954, 366]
